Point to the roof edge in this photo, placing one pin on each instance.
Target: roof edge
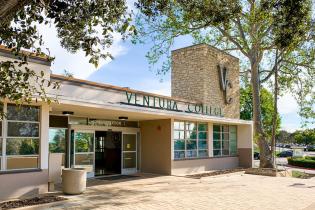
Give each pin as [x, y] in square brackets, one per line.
[41, 59]
[207, 45]
[113, 87]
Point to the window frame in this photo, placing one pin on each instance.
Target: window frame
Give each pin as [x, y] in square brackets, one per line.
[187, 130]
[221, 133]
[5, 138]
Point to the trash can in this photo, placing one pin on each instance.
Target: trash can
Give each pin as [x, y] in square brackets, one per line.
[73, 181]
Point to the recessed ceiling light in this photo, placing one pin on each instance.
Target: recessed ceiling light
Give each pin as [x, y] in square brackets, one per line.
[67, 113]
[123, 118]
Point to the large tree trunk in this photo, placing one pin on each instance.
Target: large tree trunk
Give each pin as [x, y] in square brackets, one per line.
[259, 135]
[275, 113]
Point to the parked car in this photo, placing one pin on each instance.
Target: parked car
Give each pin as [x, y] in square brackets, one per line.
[309, 148]
[287, 153]
[287, 146]
[256, 156]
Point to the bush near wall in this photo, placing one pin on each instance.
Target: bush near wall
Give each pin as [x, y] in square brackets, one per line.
[307, 162]
[309, 158]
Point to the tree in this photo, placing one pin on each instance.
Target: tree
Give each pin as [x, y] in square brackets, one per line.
[81, 24]
[267, 109]
[253, 29]
[284, 137]
[306, 137]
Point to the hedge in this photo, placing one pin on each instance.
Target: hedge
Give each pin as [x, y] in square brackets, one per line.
[307, 162]
[309, 158]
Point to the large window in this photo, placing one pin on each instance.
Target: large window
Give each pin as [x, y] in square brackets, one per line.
[21, 139]
[190, 140]
[224, 140]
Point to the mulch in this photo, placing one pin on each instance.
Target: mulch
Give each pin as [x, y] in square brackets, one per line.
[30, 202]
[215, 173]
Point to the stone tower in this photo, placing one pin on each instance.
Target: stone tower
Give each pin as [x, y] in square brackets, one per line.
[207, 75]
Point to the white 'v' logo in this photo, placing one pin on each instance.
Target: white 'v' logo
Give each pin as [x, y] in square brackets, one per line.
[224, 83]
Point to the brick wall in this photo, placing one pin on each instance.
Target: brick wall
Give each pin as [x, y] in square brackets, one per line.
[195, 77]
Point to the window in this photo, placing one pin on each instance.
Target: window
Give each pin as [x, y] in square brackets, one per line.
[190, 140]
[224, 140]
[22, 139]
[57, 142]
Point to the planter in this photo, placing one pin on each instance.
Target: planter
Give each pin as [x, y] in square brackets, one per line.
[73, 181]
[268, 172]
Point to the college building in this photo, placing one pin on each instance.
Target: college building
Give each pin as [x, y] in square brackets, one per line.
[111, 130]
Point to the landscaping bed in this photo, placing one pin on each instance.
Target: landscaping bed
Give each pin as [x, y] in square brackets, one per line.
[30, 202]
[305, 162]
[302, 175]
[215, 173]
[267, 172]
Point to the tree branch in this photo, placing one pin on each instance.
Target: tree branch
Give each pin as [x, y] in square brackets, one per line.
[240, 28]
[272, 71]
[227, 35]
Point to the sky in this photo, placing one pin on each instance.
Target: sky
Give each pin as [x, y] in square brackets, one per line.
[130, 68]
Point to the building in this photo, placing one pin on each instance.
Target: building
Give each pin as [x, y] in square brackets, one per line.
[114, 130]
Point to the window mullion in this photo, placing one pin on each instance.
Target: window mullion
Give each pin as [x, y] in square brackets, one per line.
[185, 139]
[4, 139]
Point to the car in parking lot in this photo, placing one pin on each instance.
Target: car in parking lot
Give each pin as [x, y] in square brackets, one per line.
[287, 153]
[309, 148]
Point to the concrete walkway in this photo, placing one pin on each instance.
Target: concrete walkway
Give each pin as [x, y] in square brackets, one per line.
[232, 191]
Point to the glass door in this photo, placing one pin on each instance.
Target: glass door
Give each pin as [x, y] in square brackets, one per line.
[129, 153]
[83, 155]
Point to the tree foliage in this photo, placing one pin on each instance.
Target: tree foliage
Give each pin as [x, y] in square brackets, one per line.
[251, 29]
[267, 108]
[86, 25]
[284, 136]
[306, 136]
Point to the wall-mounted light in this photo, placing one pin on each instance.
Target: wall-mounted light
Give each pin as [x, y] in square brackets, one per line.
[67, 113]
[123, 118]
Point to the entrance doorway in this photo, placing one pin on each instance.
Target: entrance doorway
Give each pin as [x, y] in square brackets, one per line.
[107, 153]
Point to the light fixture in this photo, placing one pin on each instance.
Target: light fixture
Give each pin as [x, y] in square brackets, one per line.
[67, 113]
[123, 118]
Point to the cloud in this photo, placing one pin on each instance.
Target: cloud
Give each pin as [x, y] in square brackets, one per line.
[287, 104]
[155, 86]
[290, 127]
[77, 63]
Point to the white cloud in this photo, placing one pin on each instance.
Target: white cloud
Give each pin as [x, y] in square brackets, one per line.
[287, 104]
[290, 127]
[154, 86]
[77, 63]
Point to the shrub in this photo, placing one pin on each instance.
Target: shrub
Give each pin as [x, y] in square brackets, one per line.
[302, 162]
[301, 175]
[310, 158]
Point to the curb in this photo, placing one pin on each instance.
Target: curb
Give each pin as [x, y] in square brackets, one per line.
[43, 206]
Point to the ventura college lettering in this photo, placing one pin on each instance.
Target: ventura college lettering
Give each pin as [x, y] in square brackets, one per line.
[156, 102]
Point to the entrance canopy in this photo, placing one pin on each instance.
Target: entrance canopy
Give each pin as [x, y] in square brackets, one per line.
[95, 100]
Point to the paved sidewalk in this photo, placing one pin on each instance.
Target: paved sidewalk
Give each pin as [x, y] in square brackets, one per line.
[232, 191]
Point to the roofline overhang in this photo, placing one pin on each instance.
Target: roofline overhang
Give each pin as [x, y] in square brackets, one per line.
[166, 114]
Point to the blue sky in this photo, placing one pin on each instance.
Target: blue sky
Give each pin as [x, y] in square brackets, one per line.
[130, 69]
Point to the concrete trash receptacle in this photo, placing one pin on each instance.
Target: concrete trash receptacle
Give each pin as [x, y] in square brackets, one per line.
[73, 181]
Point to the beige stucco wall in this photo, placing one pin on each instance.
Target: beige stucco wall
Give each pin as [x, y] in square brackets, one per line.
[180, 167]
[44, 136]
[156, 146]
[245, 145]
[23, 184]
[195, 77]
[34, 64]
